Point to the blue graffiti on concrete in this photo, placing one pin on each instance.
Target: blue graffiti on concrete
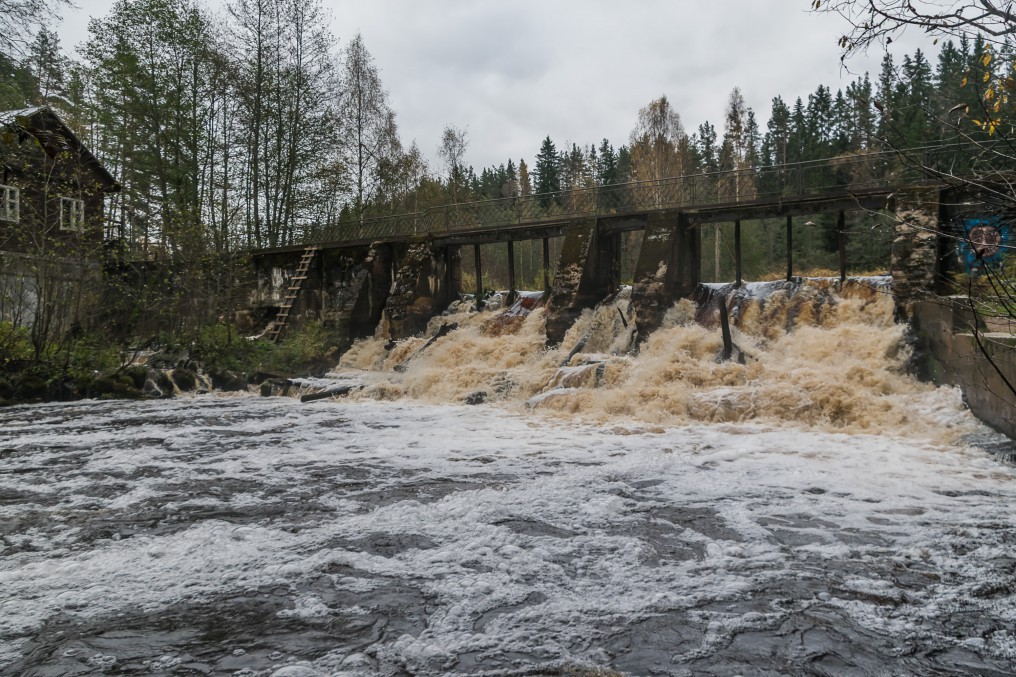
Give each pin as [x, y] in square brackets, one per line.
[984, 242]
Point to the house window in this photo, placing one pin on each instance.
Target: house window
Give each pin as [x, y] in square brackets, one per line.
[72, 214]
[9, 203]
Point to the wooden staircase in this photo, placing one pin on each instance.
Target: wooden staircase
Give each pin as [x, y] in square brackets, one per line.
[292, 293]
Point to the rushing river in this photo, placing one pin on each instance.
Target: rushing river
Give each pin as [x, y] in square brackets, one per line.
[696, 530]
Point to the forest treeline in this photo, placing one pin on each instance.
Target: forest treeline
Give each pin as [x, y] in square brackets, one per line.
[256, 127]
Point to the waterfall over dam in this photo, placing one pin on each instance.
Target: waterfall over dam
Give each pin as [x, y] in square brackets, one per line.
[813, 352]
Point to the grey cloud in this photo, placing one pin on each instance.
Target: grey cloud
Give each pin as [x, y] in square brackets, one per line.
[578, 70]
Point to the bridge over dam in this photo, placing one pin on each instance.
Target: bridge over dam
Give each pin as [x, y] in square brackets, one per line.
[403, 269]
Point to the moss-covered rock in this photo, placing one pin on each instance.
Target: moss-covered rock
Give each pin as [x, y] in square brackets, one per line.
[228, 381]
[31, 387]
[185, 379]
[137, 374]
[102, 386]
[275, 387]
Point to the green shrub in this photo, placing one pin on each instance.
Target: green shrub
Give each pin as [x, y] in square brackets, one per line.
[15, 344]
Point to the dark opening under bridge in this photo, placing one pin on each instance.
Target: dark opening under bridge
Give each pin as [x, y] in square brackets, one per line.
[404, 268]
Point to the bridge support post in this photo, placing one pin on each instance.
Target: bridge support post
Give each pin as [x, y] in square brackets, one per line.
[915, 258]
[369, 299]
[584, 276]
[668, 268]
[513, 293]
[546, 267]
[790, 248]
[478, 266]
[841, 239]
[737, 253]
[428, 279]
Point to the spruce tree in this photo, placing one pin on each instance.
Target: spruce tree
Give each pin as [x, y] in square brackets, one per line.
[548, 173]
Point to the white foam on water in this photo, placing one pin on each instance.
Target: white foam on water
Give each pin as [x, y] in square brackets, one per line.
[588, 488]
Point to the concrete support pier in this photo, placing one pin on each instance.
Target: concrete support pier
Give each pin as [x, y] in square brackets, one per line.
[915, 263]
[372, 283]
[427, 280]
[667, 268]
[587, 272]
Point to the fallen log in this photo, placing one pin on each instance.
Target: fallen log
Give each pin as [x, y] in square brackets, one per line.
[576, 350]
[337, 391]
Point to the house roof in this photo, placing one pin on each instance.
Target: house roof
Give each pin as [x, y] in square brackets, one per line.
[55, 136]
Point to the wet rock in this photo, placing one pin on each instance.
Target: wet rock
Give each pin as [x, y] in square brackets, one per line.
[228, 381]
[137, 375]
[184, 379]
[69, 389]
[165, 360]
[162, 380]
[109, 387]
[151, 389]
[32, 387]
[103, 385]
[274, 387]
[479, 397]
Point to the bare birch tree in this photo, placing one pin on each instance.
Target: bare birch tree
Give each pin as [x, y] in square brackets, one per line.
[368, 133]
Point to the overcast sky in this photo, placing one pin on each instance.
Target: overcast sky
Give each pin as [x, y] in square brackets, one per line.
[511, 73]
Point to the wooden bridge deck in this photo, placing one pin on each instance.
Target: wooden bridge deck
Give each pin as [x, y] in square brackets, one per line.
[860, 181]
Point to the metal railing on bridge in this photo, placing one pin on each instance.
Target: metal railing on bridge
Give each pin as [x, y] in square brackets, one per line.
[858, 173]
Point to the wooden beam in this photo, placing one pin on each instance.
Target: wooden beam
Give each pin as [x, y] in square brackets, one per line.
[512, 293]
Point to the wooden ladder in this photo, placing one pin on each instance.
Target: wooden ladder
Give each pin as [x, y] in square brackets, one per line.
[292, 293]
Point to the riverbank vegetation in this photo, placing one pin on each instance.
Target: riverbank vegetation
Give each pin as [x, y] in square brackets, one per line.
[88, 365]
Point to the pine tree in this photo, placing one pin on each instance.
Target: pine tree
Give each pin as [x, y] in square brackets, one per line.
[606, 165]
[778, 134]
[799, 140]
[861, 129]
[707, 147]
[548, 173]
[49, 67]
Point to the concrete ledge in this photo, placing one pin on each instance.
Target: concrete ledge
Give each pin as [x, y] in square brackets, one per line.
[979, 364]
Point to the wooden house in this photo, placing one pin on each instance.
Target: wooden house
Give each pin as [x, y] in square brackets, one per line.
[52, 197]
[52, 188]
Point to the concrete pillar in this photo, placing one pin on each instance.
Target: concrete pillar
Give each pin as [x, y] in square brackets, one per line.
[668, 268]
[427, 280]
[585, 275]
[368, 291]
[915, 247]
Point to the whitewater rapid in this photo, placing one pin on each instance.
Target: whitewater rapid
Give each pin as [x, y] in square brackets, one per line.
[614, 505]
[261, 536]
